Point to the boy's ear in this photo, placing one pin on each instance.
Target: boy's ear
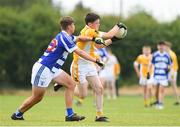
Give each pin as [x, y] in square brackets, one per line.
[89, 24]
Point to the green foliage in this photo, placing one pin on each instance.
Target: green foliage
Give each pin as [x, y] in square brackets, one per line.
[23, 37]
[26, 28]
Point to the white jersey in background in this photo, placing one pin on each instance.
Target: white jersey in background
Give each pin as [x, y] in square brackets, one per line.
[108, 71]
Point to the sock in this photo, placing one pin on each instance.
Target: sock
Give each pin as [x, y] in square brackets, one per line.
[152, 100]
[160, 103]
[69, 112]
[80, 100]
[99, 113]
[18, 113]
[146, 102]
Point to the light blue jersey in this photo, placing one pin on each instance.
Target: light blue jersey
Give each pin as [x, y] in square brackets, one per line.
[161, 62]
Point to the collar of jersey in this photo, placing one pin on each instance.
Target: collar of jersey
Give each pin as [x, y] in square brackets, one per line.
[161, 53]
[65, 32]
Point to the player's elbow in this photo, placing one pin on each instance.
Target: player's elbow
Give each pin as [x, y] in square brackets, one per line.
[78, 52]
[135, 64]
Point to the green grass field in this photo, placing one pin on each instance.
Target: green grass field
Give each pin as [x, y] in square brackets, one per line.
[126, 110]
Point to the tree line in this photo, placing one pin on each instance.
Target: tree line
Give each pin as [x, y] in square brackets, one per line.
[27, 27]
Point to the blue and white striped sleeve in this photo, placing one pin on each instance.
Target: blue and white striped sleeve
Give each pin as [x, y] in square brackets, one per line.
[68, 42]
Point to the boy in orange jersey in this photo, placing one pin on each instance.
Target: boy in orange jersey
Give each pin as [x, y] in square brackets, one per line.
[141, 66]
[84, 72]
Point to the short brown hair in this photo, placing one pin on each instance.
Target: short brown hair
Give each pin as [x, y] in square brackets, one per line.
[91, 17]
[161, 43]
[146, 46]
[65, 22]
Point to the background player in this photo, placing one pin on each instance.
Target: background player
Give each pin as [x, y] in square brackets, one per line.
[161, 62]
[117, 71]
[109, 75]
[142, 68]
[173, 72]
[48, 68]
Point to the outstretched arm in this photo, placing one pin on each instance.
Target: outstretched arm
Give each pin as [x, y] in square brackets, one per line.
[86, 56]
[111, 33]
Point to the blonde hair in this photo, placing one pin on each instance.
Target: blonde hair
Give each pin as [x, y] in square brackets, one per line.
[169, 44]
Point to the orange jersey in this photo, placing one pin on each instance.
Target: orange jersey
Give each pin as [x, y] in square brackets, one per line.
[117, 69]
[88, 47]
[144, 62]
[174, 60]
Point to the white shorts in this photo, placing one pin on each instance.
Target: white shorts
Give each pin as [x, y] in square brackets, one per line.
[160, 82]
[42, 76]
[144, 81]
[172, 76]
[107, 75]
[81, 70]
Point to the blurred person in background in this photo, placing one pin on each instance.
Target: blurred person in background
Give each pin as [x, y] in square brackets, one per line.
[142, 69]
[117, 71]
[109, 75]
[161, 64]
[174, 71]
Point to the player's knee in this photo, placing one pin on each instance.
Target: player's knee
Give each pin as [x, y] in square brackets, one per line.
[99, 90]
[71, 86]
[37, 98]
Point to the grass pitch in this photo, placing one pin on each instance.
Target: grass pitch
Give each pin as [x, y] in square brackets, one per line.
[125, 111]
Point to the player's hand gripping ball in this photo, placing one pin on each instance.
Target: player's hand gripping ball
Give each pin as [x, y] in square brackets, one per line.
[122, 31]
[99, 41]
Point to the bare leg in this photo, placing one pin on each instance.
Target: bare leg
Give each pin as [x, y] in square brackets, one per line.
[151, 94]
[70, 86]
[98, 89]
[108, 89]
[150, 91]
[157, 92]
[145, 95]
[113, 90]
[37, 95]
[76, 91]
[81, 92]
[174, 86]
[161, 94]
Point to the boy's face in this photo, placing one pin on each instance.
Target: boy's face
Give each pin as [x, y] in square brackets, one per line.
[146, 51]
[161, 47]
[71, 28]
[95, 25]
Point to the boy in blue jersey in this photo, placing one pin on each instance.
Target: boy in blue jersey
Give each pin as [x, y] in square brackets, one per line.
[48, 68]
[161, 62]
